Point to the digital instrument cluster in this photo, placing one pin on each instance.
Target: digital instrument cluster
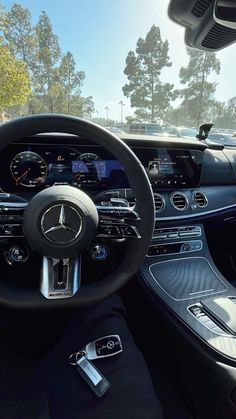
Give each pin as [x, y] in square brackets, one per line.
[57, 166]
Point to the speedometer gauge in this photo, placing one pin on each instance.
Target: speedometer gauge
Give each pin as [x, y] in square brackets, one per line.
[89, 169]
[28, 169]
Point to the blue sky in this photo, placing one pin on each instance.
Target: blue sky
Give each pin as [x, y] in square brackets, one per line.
[101, 32]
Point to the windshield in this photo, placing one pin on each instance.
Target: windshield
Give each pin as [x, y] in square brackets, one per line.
[122, 64]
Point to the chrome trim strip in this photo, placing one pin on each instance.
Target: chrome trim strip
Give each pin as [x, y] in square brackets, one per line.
[7, 236]
[110, 211]
[193, 257]
[111, 208]
[14, 204]
[180, 217]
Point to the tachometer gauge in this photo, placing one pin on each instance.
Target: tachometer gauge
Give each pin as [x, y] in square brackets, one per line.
[89, 169]
[28, 169]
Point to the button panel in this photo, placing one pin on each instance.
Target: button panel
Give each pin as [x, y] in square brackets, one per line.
[11, 222]
[117, 231]
[177, 232]
[173, 248]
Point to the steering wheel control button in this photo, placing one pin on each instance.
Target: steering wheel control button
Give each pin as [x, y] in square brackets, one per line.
[61, 224]
[99, 252]
[17, 254]
[129, 231]
[118, 231]
[110, 230]
[11, 230]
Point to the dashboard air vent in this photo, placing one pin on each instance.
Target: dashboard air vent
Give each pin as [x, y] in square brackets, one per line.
[200, 199]
[159, 202]
[179, 201]
[219, 36]
[200, 7]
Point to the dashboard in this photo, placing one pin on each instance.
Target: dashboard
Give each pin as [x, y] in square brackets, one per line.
[189, 179]
[34, 167]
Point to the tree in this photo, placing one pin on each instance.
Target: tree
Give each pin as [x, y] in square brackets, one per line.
[14, 79]
[70, 78]
[48, 54]
[82, 106]
[225, 114]
[55, 85]
[143, 68]
[198, 96]
[19, 34]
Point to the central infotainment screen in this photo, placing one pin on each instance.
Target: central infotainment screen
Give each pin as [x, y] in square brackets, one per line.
[169, 168]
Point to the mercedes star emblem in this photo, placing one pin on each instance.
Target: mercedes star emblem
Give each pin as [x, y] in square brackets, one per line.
[61, 224]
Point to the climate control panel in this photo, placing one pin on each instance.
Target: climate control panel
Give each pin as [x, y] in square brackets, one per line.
[176, 240]
[177, 232]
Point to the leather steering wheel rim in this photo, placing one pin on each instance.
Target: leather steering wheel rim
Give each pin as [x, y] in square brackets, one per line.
[139, 183]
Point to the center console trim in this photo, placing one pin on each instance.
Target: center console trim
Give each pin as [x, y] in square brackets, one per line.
[194, 296]
[226, 335]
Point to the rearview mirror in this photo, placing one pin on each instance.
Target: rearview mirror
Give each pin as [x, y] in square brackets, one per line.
[225, 13]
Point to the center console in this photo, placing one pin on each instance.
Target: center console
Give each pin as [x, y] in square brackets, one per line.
[180, 272]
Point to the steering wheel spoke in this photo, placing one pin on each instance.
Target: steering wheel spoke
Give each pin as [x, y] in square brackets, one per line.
[60, 278]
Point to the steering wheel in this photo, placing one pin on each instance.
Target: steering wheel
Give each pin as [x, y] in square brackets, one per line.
[61, 221]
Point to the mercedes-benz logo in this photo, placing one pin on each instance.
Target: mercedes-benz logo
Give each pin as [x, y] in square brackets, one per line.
[61, 224]
[110, 344]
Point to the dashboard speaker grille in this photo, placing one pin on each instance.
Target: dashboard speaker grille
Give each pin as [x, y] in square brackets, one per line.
[200, 7]
[159, 202]
[200, 199]
[179, 201]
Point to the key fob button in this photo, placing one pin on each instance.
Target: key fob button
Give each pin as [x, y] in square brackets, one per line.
[107, 345]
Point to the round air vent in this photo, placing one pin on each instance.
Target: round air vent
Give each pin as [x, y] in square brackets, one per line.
[200, 199]
[159, 202]
[179, 201]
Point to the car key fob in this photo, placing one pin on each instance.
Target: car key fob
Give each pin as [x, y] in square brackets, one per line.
[93, 377]
[104, 347]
